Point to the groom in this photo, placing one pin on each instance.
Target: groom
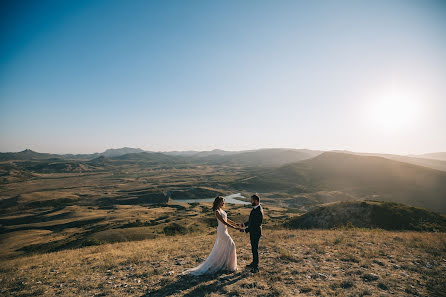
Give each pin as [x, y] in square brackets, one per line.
[254, 227]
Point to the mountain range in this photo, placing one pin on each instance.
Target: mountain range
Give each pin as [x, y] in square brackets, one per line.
[297, 174]
[260, 157]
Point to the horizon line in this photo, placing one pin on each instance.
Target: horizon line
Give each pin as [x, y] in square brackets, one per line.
[225, 150]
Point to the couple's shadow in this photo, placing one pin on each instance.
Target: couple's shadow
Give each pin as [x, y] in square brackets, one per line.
[185, 282]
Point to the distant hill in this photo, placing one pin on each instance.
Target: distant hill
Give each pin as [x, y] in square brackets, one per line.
[107, 153]
[364, 177]
[431, 163]
[181, 153]
[200, 154]
[215, 152]
[101, 160]
[370, 214]
[121, 151]
[32, 155]
[412, 159]
[373, 177]
[148, 157]
[436, 156]
[80, 156]
[252, 158]
[27, 155]
[262, 157]
[257, 158]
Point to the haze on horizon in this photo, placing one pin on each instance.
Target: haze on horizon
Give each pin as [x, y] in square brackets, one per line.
[85, 76]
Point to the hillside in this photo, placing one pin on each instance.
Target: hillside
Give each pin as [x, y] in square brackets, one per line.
[436, 156]
[249, 158]
[148, 157]
[430, 163]
[121, 151]
[32, 155]
[293, 263]
[434, 163]
[357, 176]
[262, 157]
[141, 250]
[27, 155]
[370, 214]
[215, 152]
[370, 177]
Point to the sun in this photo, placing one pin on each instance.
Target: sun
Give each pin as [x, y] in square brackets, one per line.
[394, 110]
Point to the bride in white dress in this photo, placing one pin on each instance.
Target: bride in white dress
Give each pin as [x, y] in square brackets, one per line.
[223, 255]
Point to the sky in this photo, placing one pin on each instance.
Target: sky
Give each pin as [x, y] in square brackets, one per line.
[85, 76]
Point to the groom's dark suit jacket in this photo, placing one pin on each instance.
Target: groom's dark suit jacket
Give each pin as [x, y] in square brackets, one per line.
[254, 223]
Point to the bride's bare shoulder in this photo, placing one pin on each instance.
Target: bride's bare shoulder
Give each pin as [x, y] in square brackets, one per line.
[219, 212]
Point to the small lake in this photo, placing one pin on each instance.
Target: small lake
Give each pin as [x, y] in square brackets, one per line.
[228, 199]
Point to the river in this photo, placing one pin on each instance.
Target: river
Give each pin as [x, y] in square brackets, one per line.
[228, 199]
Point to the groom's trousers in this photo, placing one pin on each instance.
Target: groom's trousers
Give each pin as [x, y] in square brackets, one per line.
[255, 248]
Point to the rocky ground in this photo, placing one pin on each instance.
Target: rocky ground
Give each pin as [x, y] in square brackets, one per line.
[293, 263]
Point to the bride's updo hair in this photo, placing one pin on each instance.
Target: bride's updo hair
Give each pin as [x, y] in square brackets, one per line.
[217, 202]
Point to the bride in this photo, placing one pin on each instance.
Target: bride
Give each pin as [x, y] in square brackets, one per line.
[223, 255]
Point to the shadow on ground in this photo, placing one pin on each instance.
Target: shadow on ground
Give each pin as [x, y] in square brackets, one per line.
[202, 284]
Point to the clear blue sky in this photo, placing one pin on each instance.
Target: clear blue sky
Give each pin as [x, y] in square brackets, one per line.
[84, 76]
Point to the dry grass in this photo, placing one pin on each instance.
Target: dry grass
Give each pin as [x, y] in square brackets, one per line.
[44, 230]
[310, 262]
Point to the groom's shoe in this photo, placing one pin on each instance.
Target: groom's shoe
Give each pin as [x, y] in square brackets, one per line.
[250, 265]
[255, 269]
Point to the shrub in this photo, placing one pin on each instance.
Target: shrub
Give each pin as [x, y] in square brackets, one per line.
[174, 229]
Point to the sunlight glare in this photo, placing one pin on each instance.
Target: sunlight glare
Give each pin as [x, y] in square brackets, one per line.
[395, 110]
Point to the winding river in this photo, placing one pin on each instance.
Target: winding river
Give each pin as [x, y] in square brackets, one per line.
[228, 199]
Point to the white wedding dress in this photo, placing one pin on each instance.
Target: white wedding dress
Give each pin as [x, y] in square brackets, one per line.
[223, 255]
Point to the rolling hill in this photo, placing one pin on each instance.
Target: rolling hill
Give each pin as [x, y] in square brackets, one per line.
[249, 158]
[148, 157]
[215, 152]
[364, 177]
[121, 151]
[27, 154]
[436, 156]
[262, 157]
[370, 214]
[433, 163]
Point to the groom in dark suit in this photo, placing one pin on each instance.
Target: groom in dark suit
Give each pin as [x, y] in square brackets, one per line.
[254, 227]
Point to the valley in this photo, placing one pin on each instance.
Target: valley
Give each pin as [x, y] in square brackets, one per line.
[116, 210]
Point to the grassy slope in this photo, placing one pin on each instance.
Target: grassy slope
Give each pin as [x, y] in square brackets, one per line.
[316, 262]
[44, 230]
[370, 214]
[307, 263]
